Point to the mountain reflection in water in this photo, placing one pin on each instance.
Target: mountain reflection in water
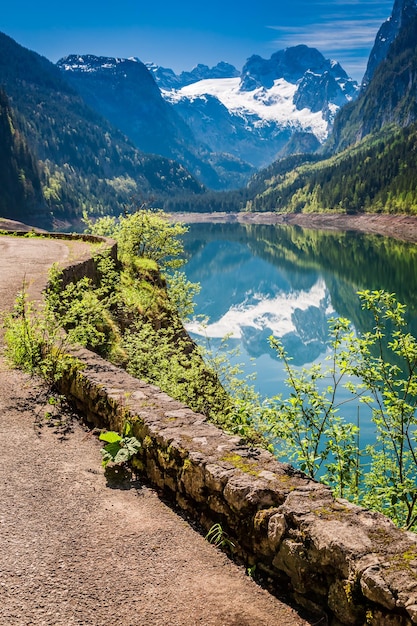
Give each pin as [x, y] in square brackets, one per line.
[262, 280]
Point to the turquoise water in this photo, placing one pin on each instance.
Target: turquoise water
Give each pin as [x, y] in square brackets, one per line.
[262, 280]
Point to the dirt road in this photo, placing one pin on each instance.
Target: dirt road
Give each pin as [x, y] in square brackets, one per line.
[73, 551]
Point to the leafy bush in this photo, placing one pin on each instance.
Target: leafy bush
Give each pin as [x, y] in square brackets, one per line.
[167, 358]
[144, 234]
[379, 369]
[84, 310]
[34, 341]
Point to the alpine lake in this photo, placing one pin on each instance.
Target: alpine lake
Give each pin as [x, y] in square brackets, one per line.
[260, 280]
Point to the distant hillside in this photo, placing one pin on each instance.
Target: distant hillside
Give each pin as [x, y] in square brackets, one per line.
[240, 200]
[378, 174]
[125, 93]
[20, 188]
[83, 162]
[390, 97]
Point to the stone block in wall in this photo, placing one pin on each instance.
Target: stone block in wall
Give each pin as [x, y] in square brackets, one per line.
[292, 559]
[378, 617]
[217, 477]
[218, 508]
[192, 480]
[277, 528]
[375, 588]
[345, 602]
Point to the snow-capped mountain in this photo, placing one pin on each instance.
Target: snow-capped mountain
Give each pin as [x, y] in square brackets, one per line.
[253, 115]
[220, 123]
[125, 92]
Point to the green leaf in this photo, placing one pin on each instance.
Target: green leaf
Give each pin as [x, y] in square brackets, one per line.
[122, 456]
[132, 445]
[112, 449]
[127, 430]
[110, 436]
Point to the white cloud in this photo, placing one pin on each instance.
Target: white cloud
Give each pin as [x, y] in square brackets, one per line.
[274, 314]
[343, 33]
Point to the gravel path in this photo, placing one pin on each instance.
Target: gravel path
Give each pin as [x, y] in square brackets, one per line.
[75, 552]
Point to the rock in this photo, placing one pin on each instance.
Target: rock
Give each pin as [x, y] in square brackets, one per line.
[277, 527]
[376, 589]
[344, 603]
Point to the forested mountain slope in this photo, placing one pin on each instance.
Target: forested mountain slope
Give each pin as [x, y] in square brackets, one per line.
[20, 186]
[83, 162]
[390, 97]
[378, 174]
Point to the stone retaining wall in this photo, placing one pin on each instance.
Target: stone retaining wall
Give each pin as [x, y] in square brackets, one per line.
[77, 270]
[333, 557]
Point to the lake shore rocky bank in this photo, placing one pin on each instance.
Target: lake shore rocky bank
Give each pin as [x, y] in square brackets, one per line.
[399, 226]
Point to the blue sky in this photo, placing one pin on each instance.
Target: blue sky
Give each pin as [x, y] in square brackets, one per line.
[181, 34]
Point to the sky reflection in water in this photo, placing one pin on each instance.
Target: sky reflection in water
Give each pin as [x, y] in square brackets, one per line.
[287, 282]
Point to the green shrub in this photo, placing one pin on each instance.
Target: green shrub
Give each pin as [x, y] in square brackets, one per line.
[379, 369]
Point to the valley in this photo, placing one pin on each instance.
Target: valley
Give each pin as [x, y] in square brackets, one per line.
[292, 133]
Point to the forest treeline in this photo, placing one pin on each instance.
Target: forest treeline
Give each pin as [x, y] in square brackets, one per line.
[379, 175]
[19, 176]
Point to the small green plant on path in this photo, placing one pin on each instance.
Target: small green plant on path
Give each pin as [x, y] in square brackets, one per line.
[34, 340]
[25, 335]
[119, 449]
[219, 538]
[58, 415]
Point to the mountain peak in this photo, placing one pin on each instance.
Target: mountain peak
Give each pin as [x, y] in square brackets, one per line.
[321, 84]
[78, 63]
[82, 69]
[402, 12]
[167, 79]
[290, 64]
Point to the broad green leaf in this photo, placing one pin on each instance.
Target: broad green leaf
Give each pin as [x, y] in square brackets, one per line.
[122, 456]
[110, 436]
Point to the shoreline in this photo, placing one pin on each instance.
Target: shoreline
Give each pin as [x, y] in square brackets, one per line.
[399, 226]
